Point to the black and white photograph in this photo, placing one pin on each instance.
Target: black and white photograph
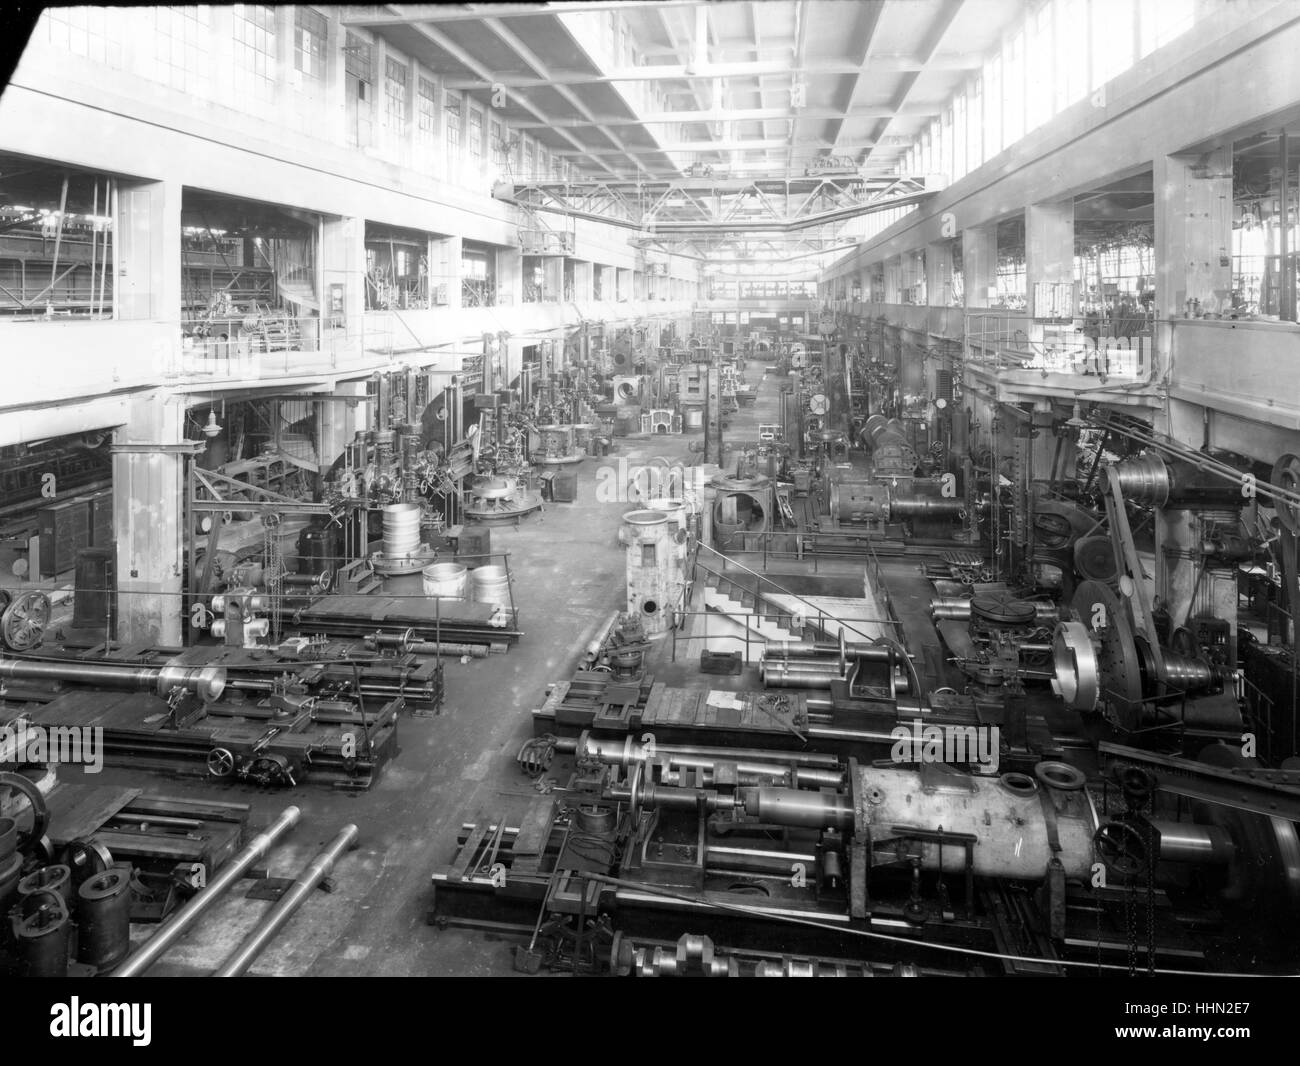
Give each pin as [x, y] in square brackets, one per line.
[754, 488]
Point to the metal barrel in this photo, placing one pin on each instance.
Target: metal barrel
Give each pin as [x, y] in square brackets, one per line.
[401, 528]
[181, 921]
[446, 581]
[41, 935]
[286, 905]
[490, 584]
[104, 903]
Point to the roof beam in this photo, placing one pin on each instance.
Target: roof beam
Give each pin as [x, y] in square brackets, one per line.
[867, 31]
[751, 114]
[449, 46]
[528, 56]
[928, 48]
[676, 72]
[471, 13]
[704, 147]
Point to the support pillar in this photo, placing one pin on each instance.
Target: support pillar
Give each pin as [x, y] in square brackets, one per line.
[938, 274]
[979, 265]
[1193, 233]
[510, 277]
[343, 281]
[894, 280]
[1049, 257]
[149, 458]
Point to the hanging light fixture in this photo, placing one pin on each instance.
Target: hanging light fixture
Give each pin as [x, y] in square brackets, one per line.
[211, 429]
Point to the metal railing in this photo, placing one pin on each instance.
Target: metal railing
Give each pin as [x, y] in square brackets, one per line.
[812, 611]
[1000, 340]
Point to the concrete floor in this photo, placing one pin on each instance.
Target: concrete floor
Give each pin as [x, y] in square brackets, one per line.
[569, 577]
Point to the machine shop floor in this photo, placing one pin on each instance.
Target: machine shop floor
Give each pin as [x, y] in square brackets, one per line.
[569, 576]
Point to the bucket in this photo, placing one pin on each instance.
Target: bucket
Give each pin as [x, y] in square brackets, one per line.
[491, 584]
[446, 581]
[401, 528]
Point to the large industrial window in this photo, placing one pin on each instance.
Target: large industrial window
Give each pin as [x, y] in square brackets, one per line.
[500, 149]
[254, 52]
[426, 110]
[358, 76]
[475, 140]
[453, 132]
[309, 43]
[395, 79]
[92, 32]
[180, 48]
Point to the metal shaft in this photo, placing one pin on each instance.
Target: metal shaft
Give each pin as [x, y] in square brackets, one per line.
[179, 924]
[207, 681]
[256, 941]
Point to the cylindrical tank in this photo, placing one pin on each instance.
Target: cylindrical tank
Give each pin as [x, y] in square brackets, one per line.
[401, 528]
[490, 584]
[675, 509]
[445, 581]
[694, 419]
[104, 903]
[656, 559]
[740, 505]
[1004, 814]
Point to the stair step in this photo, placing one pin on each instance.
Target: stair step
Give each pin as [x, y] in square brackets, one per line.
[369, 586]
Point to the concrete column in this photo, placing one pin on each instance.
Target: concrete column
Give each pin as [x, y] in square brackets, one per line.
[938, 274]
[338, 422]
[1193, 237]
[894, 280]
[335, 101]
[148, 495]
[979, 265]
[553, 275]
[510, 277]
[447, 271]
[1049, 249]
[343, 279]
[623, 284]
[147, 251]
[582, 281]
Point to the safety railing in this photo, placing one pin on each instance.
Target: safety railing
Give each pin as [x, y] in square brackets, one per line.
[999, 340]
[812, 614]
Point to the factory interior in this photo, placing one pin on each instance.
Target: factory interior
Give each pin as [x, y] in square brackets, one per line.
[773, 488]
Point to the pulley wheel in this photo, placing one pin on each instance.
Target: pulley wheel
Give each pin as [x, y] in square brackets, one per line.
[1094, 559]
[24, 621]
[26, 787]
[1286, 475]
[1121, 847]
[1002, 608]
[1118, 665]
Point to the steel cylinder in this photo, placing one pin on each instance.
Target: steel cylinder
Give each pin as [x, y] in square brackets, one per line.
[401, 528]
[655, 565]
[1161, 482]
[1188, 842]
[206, 681]
[794, 807]
[104, 906]
[490, 584]
[800, 673]
[445, 581]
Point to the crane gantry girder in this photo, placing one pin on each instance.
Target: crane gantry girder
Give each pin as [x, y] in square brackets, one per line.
[690, 205]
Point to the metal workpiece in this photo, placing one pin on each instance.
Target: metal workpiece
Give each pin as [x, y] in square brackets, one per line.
[798, 807]
[287, 905]
[182, 920]
[801, 673]
[1077, 670]
[958, 608]
[749, 766]
[207, 682]
[1003, 817]
[1160, 482]
[1209, 845]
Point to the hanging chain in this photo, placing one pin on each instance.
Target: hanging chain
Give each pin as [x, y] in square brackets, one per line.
[1151, 899]
[274, 570]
